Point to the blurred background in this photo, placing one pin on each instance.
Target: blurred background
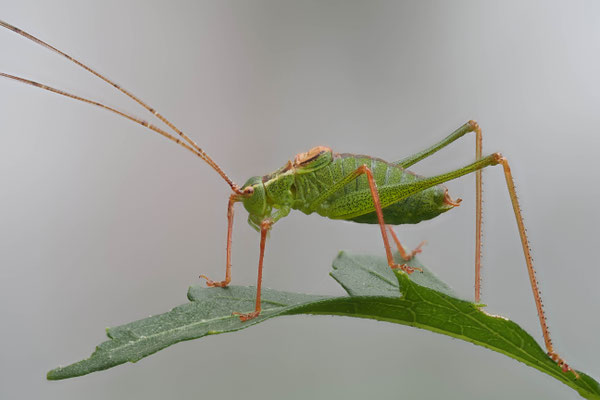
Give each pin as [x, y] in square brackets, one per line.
[103, 223]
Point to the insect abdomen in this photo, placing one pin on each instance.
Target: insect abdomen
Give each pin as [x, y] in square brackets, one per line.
[356, 196]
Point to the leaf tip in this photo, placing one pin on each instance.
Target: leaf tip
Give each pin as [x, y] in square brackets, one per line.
[54, 374]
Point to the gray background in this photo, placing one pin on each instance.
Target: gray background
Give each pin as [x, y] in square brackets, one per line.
[103, 223]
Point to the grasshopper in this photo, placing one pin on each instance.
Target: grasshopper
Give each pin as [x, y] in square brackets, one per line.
[339, 186]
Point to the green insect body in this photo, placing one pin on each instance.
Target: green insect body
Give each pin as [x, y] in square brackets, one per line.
[349, 187]
[301, 184]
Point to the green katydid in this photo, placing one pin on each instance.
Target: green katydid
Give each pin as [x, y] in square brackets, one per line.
[351, 187]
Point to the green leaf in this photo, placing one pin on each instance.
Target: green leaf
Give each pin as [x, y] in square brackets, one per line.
[375, 292]
[209, 313]
[428, 303]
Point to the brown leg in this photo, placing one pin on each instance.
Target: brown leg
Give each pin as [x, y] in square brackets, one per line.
[478, 211]
[528, 260]
[232, 200]
[363, 169]
[264, 229]
[405, 256]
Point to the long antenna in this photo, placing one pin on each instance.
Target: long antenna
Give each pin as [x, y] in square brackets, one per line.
[96, 103]
[201, 153]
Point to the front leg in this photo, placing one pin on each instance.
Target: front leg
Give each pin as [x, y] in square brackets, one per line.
[265, 226]
[234, 198]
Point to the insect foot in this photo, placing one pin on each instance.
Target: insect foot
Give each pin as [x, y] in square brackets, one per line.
[248, 316]
[408, 269]
[562, 364]
[210, 283]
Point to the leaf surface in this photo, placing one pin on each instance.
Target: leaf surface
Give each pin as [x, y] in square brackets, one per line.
[374, 292]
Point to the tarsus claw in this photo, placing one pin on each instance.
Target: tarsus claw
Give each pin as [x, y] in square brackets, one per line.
[406, 268]
[562, 364]
[247, 316]
[210, 283]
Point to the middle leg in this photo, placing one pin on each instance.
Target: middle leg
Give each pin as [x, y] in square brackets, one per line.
[363, 169]
[403, 253]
